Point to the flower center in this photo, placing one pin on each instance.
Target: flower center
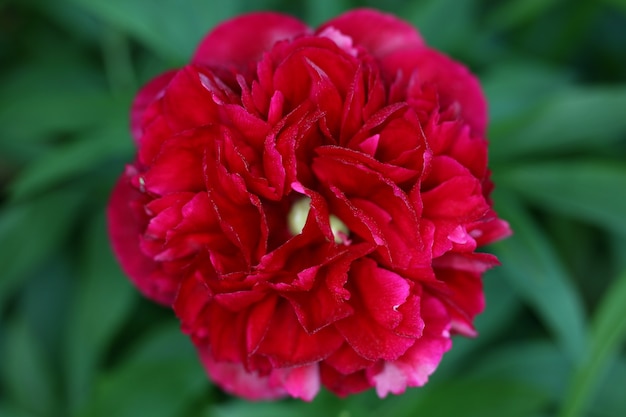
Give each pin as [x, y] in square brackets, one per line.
[299, 212]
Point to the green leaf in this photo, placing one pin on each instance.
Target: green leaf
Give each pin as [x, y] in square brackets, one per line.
[171, 28]
[479, 398]
[610, 400]
[608, 332]
[157, 389]
[74, 159]
[165, 343]
[531, 266]
[538, 364]
[269, 409]
[589, 190]
[578, 118]
[26, 373]
[513, 88]
[445, 24]
[33, 230]
[104, 298]
[618, 252]
[10, 410]
[319, 11]
[161, 378]
[71, 18]
[48, 96]
[512, 13]
[618, 3]
[43, 303]
[56, 113]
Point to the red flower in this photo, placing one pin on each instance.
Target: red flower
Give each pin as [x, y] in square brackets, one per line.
[310, 202]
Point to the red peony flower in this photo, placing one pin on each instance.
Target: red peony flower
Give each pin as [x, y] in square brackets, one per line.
[310, 202]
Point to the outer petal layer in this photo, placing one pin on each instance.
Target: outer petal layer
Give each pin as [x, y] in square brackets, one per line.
[380, 34]
[241, 42]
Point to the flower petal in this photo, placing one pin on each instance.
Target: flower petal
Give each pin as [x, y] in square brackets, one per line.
[455, 85]
[286, 343]
[421, 359]
[127, 221]
[303, 381]
[379, 33]
[239, 43]
[148, 93]
[369, 331]
[234, 378]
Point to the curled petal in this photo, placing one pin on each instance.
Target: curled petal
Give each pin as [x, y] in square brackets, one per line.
[126, 221]
[239, 43]
[234, 378]
[371, 330]
[379, 33]
[414, 367]
[302, 382]
[287, 344]
[455, 84]
[146, 96]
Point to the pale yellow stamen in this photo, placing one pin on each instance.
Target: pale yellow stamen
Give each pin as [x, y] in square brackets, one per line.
[298, 215]
[339, 229]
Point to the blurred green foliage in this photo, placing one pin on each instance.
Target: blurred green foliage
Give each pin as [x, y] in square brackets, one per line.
[76, 340]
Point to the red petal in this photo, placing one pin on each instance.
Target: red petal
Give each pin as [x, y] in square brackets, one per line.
[346, 361]
[454, 83]
[234, 378]
[379, 33]
[374, 208]
[178, 167]
[226, 333]
[259, 320]
[240, 42]
[465, 298]
[393, 172]
[127, 221]
[376, 296]
[459, 199]
[302, 382]
[382, 292]
[192, 298]
[240, 213]
[287, 344]
[150, 92]
[421, 360]
[343, 385]
[188, 102]
[327, 302]
[490, 229]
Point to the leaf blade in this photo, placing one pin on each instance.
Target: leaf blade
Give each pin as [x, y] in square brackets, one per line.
[567, 121]
[608, 330]
[104, 297]
[530, 265]
[589, 189]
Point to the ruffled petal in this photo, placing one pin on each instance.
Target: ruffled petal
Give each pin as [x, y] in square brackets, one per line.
[455, 84]
[379, 33]
[233, 378]
[150, 92]
[127, 221]
[239, 43]
[422, 358]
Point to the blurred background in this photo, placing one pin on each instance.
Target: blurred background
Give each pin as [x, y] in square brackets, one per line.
[77, 341]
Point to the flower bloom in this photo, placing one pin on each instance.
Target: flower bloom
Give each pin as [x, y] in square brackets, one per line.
[309, 202]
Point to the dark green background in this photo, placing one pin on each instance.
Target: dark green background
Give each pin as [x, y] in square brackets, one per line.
[77, 341]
